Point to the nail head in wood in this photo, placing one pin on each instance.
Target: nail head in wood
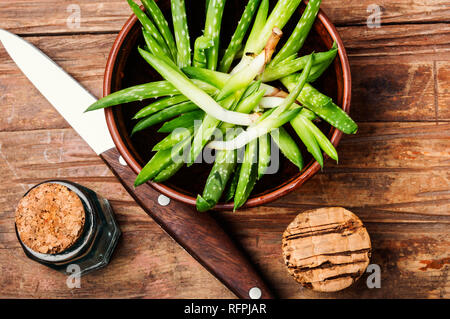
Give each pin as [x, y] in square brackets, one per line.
[255, 293]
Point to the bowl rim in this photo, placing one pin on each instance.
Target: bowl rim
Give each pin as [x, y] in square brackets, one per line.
[290, 185]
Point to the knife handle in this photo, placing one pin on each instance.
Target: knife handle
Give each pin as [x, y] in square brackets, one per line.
[198, 233]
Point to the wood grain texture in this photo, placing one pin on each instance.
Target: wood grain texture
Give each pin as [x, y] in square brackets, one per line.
[49, 16]
[394, 174]
[19, 113]
[53, 17]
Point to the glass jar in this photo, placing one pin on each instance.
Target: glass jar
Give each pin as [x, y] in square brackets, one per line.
[93, 249]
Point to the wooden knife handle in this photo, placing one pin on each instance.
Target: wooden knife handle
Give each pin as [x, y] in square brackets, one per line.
[198, 233]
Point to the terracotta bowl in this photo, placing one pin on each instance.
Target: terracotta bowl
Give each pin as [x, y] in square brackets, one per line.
[126, 68]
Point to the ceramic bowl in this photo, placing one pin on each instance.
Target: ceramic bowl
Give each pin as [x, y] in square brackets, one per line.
[126, 68]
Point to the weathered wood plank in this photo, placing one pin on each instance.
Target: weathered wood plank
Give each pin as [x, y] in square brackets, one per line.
[394, 176]
[384, 163]
[389, 91]
[161, 268]
[397, 11]
[401, 249]
[46, 16]
[404, 207]
[395, 74]
[399, 42]
[400, 167]
[22, 104]
[395, 145]
[442, 88]
[404, 87]
[404, 191]
[146, 264]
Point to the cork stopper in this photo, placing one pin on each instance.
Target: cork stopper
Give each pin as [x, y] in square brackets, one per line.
[50, 218]
[326, 249]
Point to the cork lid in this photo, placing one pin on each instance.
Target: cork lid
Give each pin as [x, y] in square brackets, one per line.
[326, 249]
[50, 218]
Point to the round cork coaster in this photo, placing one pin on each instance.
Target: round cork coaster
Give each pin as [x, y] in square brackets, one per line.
[326, 249]
[50, 218]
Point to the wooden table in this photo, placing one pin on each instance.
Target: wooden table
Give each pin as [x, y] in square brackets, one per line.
[394, 174]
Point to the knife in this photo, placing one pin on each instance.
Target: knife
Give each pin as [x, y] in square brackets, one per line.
[198, 233]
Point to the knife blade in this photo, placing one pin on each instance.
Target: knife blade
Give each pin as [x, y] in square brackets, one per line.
[66, 95]
[199, 234]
